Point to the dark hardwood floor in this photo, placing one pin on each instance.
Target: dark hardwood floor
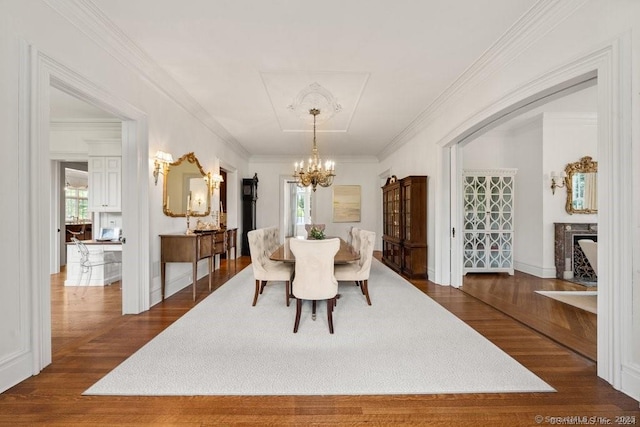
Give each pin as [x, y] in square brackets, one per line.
[515, 295]
[91, 338]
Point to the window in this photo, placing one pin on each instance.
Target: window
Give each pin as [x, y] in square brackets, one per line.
[76, 204]
[303, 203]
[298, 204]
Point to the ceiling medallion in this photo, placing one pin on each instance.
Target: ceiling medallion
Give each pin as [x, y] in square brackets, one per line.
[314, 173]
[316, 97]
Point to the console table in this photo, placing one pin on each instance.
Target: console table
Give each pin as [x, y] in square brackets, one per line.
[192, 248]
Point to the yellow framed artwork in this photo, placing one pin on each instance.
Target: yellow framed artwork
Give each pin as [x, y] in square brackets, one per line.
[346, 203]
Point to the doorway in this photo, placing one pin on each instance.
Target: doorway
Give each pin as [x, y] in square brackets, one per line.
[515, 231]
[615, 265]
[41, 74]
[79, 132]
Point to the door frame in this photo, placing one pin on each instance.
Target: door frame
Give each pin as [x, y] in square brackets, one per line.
[40, 72]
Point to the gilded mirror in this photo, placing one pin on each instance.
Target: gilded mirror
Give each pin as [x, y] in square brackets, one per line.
[582, 186]
[186, 187]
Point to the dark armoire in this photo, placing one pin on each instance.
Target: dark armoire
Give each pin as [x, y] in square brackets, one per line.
[404, 231]
[249, 199]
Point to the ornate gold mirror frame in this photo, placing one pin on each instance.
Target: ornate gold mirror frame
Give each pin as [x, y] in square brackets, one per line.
[186, 188]
[582, 186]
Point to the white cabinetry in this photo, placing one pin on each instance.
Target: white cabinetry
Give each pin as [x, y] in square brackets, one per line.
[105, 183]
[488, 220]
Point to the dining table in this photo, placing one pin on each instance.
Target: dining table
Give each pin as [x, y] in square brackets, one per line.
[345, 254]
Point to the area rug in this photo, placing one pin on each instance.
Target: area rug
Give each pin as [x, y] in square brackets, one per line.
[405, 343]
[585, 300]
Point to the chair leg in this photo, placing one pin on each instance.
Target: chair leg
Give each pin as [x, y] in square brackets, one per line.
[255, 295]
[287, 291]
[264, 283]
[313, 311]
[298, 309]
[365, 290]
[330, 303]
[359, 283]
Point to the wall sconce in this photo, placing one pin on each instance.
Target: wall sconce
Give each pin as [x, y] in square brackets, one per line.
[554, 178]
[162, 160]
[214, 181]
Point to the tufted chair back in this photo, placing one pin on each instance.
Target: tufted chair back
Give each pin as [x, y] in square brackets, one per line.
[258, 251]
[359, 271]
[355, 238]
[367, 242]
[272, 239]
[262, 244]
[314, 279]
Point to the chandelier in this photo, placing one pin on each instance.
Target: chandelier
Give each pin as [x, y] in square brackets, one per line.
[314, 173]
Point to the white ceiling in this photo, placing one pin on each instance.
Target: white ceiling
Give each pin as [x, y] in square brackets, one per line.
[246, 61]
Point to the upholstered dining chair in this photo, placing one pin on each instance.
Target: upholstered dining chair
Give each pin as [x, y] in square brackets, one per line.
[264, 269]
[314, 279]
[359, 271]
[590, 249]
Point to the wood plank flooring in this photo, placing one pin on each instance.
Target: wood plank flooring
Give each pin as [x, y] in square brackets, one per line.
[91, 338]
[515, 295]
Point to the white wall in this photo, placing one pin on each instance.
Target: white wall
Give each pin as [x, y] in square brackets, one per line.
[566, 139]
[525, 153]
[361, 172]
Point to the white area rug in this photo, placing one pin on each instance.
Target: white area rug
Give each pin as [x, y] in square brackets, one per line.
[585, 300]
[404, 343]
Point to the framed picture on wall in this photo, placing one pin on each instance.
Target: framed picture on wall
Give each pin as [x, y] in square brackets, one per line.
[346, 203]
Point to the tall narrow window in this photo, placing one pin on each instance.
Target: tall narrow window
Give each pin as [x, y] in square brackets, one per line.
[298, 206]
[76, 196]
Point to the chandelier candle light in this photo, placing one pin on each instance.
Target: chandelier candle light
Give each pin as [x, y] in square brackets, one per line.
[314, 173]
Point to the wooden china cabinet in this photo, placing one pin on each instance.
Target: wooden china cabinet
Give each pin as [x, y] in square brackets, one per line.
[404, 229]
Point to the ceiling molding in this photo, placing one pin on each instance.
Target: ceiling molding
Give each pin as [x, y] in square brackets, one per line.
[86, 16]
[538, 21]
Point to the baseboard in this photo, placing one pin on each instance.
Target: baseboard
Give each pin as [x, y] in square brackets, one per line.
[545, 273]
[15, 370]
[175, 284]
[630, 383]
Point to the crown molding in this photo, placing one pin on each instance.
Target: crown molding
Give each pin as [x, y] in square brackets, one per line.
[89, 19]
[534, 24]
